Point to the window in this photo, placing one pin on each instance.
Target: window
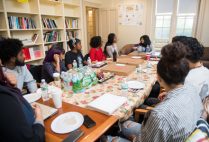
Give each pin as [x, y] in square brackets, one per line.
[174, 17]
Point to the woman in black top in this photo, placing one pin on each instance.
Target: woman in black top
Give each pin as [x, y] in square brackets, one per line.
[19, 121]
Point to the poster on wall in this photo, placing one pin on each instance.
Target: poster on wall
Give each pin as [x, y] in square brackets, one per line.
[130, 14]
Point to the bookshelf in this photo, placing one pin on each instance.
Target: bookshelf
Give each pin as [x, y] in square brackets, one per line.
[44, 14]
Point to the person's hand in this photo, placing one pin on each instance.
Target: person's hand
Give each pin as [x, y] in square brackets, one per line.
[135, 48]
[11, 78]
[56, 58]
[162, 96]
[38, 112]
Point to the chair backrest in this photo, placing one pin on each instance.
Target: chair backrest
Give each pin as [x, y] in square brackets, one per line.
[36, 71]
[127, 49]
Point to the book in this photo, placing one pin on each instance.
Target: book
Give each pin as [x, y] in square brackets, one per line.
[51, 36]
[26, 53]
[49, 23]
[71, 34]
[107, 103]
[21, 22]
[71, 23]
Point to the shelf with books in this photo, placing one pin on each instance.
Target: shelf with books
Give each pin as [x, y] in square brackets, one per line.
[17, 30]
[54, 42]
[72, 23]
[32, 44]
[52, 36]
[23, 21]
[29, 7]
[72, 34]
[28, 37]
[49, 22]
[33, 52]
[51, 8]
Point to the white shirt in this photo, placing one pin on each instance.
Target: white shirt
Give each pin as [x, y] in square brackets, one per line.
[199, 78]
[23, 75]
[110, 49]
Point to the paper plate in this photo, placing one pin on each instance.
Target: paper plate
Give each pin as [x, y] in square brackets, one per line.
[67, 122]
[135, 85]
[32, 97]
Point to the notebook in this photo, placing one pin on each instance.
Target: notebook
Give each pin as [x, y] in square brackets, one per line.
[46, 110]
[107, 103]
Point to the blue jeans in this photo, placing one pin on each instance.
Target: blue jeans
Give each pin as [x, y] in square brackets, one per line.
[130, 130]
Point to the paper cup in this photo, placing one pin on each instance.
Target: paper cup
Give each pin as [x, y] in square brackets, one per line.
[57, 98]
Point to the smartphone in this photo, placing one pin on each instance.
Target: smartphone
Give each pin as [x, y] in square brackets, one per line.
[88, 122]
[74, 136]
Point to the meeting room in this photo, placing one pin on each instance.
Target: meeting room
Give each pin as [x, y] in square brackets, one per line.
[104, 70]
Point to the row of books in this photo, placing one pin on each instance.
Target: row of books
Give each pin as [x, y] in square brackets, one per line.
[71, 34]
[21, 23]
[49, 23]
[32, 53]
[71, 23]
[52, 36]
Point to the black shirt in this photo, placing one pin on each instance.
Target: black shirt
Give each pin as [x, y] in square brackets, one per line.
[71, 56]
[13, 120]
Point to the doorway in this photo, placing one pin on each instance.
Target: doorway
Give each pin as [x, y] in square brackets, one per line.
[92, 20]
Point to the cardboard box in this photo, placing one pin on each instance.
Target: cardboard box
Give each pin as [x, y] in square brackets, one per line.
[130, 61]
[119, 69]
[136, 53]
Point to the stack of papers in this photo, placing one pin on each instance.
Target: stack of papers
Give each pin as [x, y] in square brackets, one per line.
[107, 103]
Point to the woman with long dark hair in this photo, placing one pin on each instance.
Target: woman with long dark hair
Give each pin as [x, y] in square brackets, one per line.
[110, 46]
[19, 121]
[144, 45]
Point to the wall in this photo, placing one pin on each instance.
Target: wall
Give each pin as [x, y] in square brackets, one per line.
[203, 29]
[126, 34]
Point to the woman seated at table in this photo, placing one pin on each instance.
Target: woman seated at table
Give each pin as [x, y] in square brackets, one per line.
[74, 54]
[144, 45]
[53, 63]
[110, 46]
[96, 53]
[19, 121]
[175, 117]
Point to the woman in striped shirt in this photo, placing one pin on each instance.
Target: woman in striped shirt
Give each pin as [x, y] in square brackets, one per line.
[175, 117]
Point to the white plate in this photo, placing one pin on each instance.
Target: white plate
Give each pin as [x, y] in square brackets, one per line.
[135, 85]
[136, 57]
[32, 97]
[67, 122]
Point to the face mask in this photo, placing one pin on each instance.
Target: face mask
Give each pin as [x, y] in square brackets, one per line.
[18, 63]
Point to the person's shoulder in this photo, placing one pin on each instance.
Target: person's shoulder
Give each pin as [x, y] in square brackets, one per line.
[68, 53]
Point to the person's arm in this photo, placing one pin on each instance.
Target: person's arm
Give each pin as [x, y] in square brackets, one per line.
[62, 65]
[49, 69]
[14, 126]
[29, 80]
[92, 55]
[68, 61]
[156, 128]
[57, 62]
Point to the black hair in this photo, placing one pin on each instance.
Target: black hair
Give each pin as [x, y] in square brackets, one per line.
[58, 47]
[73, 42]
[173, 67]
[195, 50]
[147, 40]
[9, 48]
[109, 42]
[96, 41]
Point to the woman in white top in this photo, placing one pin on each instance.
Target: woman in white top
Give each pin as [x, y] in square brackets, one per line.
[110, 46]
[144, 45]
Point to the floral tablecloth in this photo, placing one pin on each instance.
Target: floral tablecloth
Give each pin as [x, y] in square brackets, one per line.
[113, 86]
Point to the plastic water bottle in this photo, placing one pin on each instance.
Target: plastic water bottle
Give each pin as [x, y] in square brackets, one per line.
[89, 61]
[80, 62]
[75, 64]
[44, 90]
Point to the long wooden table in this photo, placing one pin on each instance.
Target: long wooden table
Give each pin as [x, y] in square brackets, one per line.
[103, 123]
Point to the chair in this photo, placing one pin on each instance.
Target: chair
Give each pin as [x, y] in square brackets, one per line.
[36, 71]
[127, 49]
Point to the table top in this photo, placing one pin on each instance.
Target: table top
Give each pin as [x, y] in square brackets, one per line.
[103, 123]
[136, 53]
